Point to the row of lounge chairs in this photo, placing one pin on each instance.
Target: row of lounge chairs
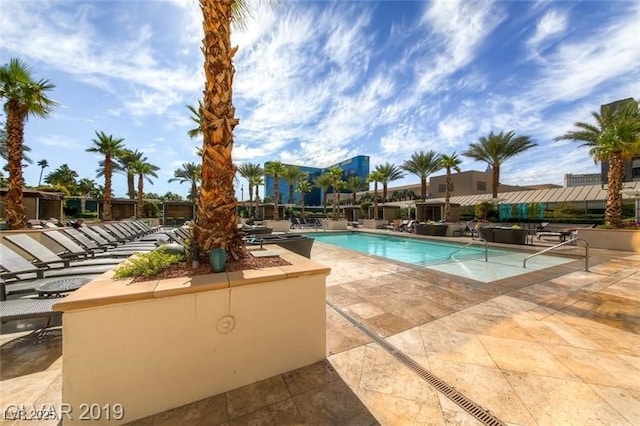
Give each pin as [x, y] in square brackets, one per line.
[301, 223]
[82, 253]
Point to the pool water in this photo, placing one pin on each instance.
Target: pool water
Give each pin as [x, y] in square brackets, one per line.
[407, 250]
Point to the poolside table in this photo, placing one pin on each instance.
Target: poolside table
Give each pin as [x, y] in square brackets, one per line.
[58, 287]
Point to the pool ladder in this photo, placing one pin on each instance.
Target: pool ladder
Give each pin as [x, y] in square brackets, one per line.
[473, 241]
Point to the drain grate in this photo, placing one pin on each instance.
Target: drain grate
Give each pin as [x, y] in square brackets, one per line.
[479, 413]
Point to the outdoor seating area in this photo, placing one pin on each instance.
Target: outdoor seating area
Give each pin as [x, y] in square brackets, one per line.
[51, 263]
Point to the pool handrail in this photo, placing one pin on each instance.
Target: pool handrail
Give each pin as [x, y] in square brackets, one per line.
[573, 240]
[473, 240]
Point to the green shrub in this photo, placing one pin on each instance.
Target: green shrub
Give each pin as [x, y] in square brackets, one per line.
[150, 210]
[147, 264]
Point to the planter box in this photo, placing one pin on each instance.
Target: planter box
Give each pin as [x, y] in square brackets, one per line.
[372, 223]
[278, 225]
[613, 239]
[153, 346]
[335, 225]
[433, 230]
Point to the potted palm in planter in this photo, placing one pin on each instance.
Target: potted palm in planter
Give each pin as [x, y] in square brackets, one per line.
[375, 177]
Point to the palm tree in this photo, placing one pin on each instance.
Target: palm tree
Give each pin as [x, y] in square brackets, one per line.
[143, 169]
[111, 148]
[64, 177]
[43, 164]
[388, 173]
[495, 149]
[354, 184]
[126, 160]
[449, 162]
[23, 97]
[615, 138]
[304, 187]
[422, 164]
[86, 187]
[190, 173]
[256, 181]
[196, 117]
[275, 169]
[216, 226]
[323, 182]
[251, 171]
[292, 174]
[375, 177]
[335, 173]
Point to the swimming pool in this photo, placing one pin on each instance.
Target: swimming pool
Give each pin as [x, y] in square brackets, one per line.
[407, 250]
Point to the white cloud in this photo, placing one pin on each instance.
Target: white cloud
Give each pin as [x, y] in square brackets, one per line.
[552, 24]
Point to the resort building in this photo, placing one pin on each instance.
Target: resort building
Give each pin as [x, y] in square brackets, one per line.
[355, 166]
[571, 180]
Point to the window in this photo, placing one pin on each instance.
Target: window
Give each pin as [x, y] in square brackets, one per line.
[442, 187]
[481, 186]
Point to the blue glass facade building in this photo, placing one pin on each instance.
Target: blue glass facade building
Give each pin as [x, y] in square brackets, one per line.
[355, 166]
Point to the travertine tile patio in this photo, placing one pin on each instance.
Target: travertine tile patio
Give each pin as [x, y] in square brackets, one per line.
[556, 346]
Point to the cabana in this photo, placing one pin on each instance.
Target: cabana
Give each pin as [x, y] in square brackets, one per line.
[176, 213]
[38, 205]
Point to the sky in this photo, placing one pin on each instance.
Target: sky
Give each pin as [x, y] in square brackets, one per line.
[318, 82]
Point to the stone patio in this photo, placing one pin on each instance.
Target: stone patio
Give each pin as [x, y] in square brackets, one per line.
[557, 346]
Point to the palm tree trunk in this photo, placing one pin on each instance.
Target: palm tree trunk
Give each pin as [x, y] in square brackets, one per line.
[216, 226]
[375, 201]
[423, 187]
[140, 194]
[495, 180]
[384, 193]
[15, 133]
[291, 192]
[255, 213]
[130, 186]
[40, 178]
[276, 199]
[447, 196]
[613, 208]
[106, 208]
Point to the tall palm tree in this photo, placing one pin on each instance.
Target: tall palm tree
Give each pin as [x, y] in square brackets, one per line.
[422, 164]
[23, 96]
[292, 174]
[190, 173]
[63, 176]
[111, 148]
[495, 149]
[126, 161]
[336, 183]
[354, 184]
[323, 182]
[143, 169]
[375, 176]
[251, 171]
[256, 182]
[43, 164]
[449, 162]
[304, 187]
[388, 172]
[615, 138]
[275, 169]
[216, 226]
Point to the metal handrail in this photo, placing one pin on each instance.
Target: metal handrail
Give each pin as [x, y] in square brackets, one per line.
[473, 240]
[573, 240]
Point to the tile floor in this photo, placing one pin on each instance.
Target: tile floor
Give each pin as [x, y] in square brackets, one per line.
[555, 346]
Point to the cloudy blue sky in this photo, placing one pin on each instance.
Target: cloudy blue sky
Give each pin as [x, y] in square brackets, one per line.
[320, 81]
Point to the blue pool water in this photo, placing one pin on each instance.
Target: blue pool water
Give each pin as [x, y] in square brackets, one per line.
[407, 250]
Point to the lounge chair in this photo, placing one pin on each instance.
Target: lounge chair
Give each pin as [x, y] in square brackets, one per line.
[19, 272]
[21, 309]
[44, 257]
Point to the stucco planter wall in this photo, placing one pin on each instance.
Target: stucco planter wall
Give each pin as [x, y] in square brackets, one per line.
[278, 225]
[373, 223]
[153, 346]
[613, 239]
[335, 225]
